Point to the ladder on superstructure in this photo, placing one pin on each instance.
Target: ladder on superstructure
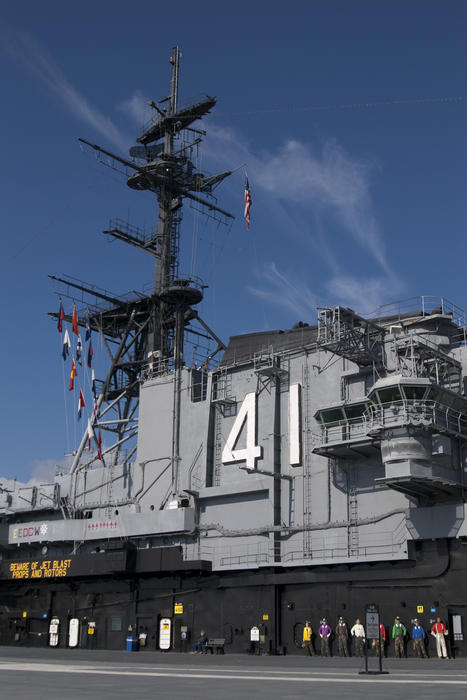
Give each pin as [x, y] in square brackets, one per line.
[307, 487]
[353, 538]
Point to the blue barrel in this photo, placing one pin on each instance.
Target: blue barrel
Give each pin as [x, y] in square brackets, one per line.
[132, 643]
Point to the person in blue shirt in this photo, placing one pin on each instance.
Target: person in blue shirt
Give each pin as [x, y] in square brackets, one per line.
[418, 637]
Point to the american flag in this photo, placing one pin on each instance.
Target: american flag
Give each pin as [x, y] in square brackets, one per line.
[247, 203]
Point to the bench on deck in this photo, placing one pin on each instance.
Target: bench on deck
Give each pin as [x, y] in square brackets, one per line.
[216, 643]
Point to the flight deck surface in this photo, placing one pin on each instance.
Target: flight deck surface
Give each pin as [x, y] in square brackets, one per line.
[29, 674]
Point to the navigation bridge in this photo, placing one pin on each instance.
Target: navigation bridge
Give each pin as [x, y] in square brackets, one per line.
[419, 428]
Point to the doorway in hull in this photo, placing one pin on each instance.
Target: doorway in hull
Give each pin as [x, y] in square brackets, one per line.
[456, 628]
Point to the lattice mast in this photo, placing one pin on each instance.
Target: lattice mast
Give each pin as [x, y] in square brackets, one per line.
[149, 329]
[171, 175]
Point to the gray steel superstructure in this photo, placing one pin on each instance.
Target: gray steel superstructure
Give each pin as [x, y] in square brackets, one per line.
[308, 472]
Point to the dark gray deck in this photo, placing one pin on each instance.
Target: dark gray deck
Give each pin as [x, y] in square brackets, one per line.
[29, 674]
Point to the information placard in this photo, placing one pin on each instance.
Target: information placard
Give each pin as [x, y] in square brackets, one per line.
[254, 634]
[372, 622]
[165, 633]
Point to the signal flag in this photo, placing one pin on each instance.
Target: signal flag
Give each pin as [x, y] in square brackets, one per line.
[74, 321]
[61, 316]
[73, 374]
[79, 350]
[95, 414]
[91, 433]
[90, 354]
[81, 404]
[88, 329]
[93, 383]
[66, 345]
[99, 446]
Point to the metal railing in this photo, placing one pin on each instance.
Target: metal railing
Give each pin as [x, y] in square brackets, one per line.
[427, 305]
[415, 412]
[329, 546]
[344, 430]
[242, 555]
[332, 547]
[395, 413]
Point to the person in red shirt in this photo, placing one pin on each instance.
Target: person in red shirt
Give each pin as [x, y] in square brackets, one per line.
[439, 632]
[378, 644]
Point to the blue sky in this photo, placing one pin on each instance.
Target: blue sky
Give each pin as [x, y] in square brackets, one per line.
[357, 167]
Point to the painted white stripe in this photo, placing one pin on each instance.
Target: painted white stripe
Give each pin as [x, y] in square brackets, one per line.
[293, 672]
[313, 678]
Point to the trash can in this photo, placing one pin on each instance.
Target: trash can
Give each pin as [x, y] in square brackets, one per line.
[132, 643]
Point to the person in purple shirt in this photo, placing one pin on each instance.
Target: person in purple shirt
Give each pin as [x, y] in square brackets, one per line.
[324, 632]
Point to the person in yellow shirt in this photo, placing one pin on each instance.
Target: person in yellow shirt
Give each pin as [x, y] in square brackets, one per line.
[307, 642]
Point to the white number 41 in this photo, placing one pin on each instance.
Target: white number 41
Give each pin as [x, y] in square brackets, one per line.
[247, 416]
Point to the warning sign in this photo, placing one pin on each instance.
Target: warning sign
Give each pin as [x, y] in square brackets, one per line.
[419, 608]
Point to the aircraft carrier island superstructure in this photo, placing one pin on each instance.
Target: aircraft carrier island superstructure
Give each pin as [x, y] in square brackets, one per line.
[290, 475]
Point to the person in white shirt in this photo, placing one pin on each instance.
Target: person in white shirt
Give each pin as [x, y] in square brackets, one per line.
[358, 634]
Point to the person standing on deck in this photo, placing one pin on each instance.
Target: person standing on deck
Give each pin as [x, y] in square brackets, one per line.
[418, 636]
[378, 644]
[358, 634]
[439, 632]
[342, 634]
[398, 634]
[307, 642]
[325, 634]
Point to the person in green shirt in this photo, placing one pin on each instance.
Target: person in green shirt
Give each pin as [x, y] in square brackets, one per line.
[398, 634]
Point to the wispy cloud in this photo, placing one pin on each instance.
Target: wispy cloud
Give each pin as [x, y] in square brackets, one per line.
[136, 108]
[27, 51]
[286, 291]
[331, 182]
[362, 294]
[328, 186]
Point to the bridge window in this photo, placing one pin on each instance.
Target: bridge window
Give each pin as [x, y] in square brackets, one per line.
[415, 393]
[390, 394]
[355, 410]
[331, 415]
